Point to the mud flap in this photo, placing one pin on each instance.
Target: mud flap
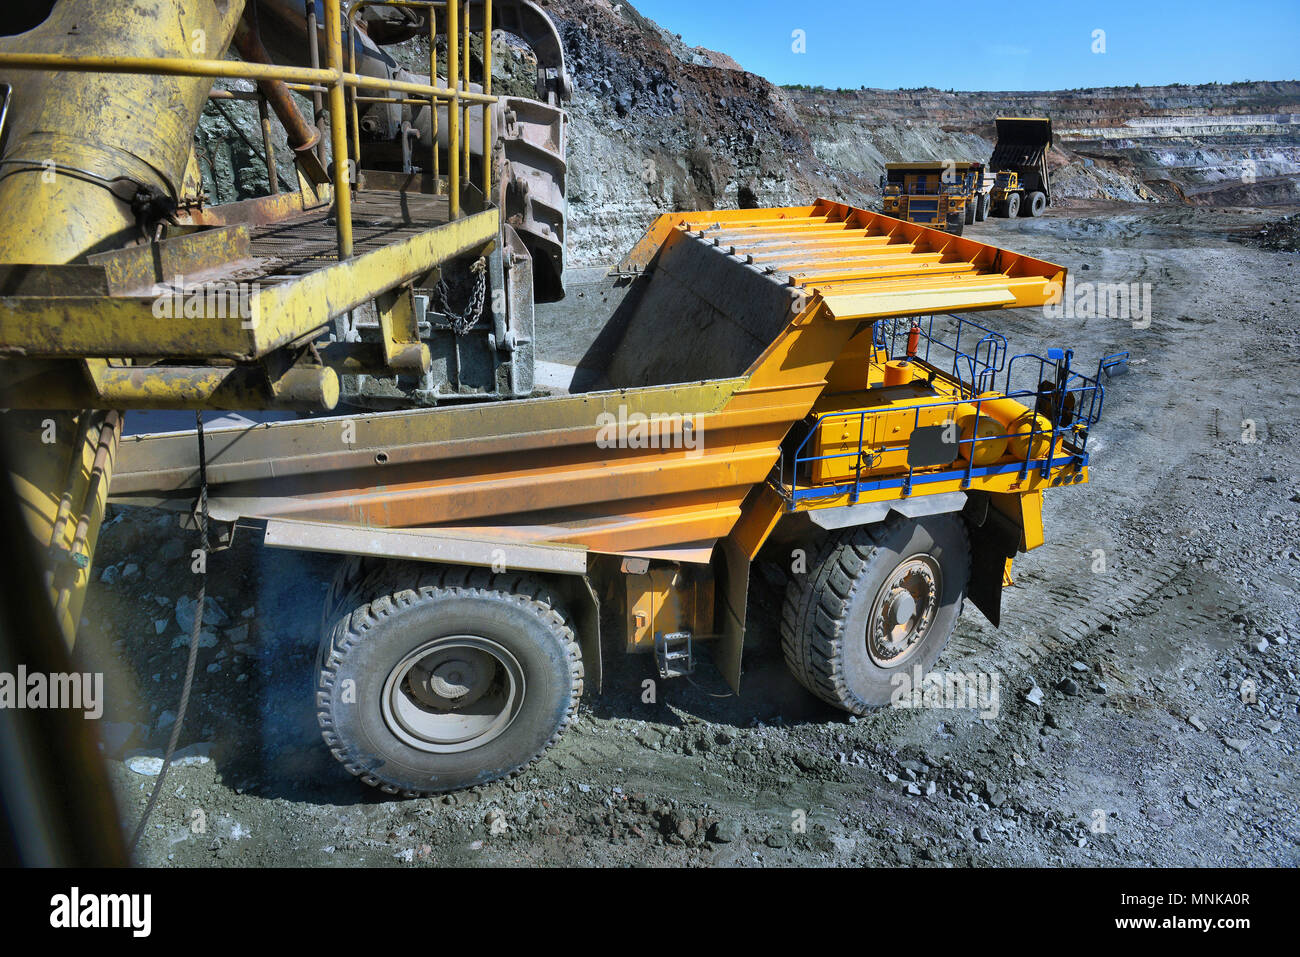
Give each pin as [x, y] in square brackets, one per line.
[993, 539]
[731, 584]
[584, 604]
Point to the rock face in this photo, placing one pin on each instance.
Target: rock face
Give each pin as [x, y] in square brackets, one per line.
[1216, 145]
[228, 144]
[656, 126]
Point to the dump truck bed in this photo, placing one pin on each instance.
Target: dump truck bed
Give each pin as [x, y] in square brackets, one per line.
[1021, 141]
[726, 336]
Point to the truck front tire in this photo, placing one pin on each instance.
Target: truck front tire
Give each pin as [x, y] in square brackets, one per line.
[878, 602]
[436, 678]
[1013, 206]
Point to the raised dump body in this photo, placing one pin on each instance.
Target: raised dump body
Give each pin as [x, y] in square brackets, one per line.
[766, 380]
[1021, 184]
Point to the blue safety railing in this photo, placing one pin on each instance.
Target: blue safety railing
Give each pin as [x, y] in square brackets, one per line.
[1067, 400]
[973, 368]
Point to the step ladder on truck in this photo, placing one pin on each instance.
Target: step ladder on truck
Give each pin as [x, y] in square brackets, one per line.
[802, 377]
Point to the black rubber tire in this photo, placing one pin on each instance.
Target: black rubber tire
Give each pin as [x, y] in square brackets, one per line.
[1013, 206]
[379, 612]
[823, 621]
[1035, 204]
[982, 208]
[969, 210]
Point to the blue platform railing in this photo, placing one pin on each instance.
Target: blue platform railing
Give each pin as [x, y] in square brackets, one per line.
[1069, 401]
[974, 367]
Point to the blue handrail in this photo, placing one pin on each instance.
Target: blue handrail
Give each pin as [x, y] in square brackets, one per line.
[1068, 400]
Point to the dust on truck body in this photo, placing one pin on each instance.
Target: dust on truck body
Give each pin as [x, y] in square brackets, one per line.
[1021, 185]
[944, 195]
[773, 379]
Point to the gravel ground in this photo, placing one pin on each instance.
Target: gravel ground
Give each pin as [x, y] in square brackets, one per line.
[1147, 660]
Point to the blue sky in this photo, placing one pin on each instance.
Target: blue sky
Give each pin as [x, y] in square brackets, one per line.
[1036, 46]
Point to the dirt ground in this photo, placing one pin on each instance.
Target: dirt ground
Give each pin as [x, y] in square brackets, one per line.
[1147, 658]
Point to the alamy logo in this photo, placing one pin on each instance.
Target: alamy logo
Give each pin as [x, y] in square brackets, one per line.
[1129, 301]
[657, 430]
[178, 299]
[976, 690]
[36, 690]
[75, 909]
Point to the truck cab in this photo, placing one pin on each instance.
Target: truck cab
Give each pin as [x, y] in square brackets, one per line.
[940, 194]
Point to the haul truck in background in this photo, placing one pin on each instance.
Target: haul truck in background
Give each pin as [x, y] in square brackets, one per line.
[1021, 184]
[808, 377]
[944, 195]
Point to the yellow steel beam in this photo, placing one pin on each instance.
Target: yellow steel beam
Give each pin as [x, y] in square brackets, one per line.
[127, 326]
[338, 130]
[225, 69]
[465, 86]
[487, 90]
[453, 109]
[886, 271]
[165, 66]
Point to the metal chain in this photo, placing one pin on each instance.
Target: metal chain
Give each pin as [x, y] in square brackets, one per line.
[462, 322]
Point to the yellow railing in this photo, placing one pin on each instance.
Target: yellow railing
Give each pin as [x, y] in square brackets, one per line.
[336, 81]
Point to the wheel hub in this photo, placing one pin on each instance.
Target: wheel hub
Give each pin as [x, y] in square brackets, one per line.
[903, 611]
[453, 694]
[453, 679]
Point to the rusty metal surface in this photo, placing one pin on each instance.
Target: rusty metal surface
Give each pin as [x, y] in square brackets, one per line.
[293, 283]
[307, 241]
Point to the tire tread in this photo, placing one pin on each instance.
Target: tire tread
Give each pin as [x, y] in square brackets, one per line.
[394, 588]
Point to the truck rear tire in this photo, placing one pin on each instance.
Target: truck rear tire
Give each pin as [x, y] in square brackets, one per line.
[1013, 206]
[877, 602]
[435, 678]
[1036, 203]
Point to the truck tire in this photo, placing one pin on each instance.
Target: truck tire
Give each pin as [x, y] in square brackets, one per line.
[982, 208]
[1013, 206]
[433, 678]
[970, 210]
[872, 576]
[1036, 203]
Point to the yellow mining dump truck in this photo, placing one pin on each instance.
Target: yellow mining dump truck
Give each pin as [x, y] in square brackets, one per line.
[1021, 184]
[774, 378]
[942, 194]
